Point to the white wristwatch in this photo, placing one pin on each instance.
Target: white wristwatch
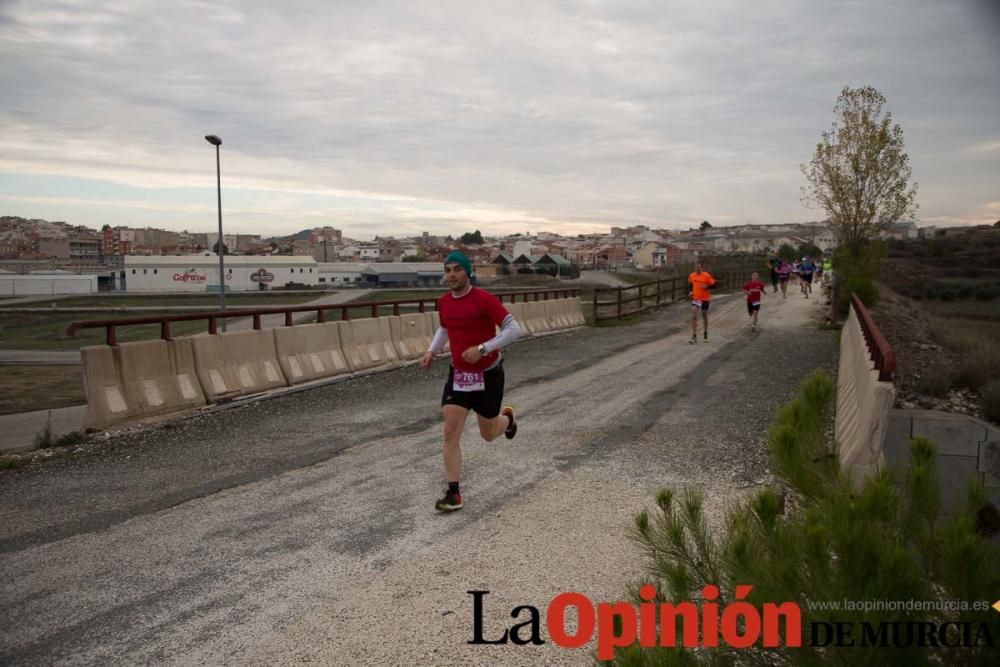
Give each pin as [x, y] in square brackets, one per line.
[482, 350]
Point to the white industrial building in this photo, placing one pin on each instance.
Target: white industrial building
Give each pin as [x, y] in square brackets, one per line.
[200, 273]
[341, 274]
[403, 274]
[44, 284]
[381, 274]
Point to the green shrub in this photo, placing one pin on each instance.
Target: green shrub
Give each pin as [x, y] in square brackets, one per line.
[935, 380]
[985, 293]
[938, 248]
[861, 285]
[856, 275]
[979, 362]
[966, 291]
[931, 292]
[884, 540]
[45, 439]
[947, 294]
[990, 401]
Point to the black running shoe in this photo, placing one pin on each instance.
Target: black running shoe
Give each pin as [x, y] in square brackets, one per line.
[450, 502]
[511, 430]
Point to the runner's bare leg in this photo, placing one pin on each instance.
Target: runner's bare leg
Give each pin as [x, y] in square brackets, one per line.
[454, 422]
[491, 429]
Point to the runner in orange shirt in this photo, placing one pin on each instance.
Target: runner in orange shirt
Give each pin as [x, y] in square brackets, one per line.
[700, 282]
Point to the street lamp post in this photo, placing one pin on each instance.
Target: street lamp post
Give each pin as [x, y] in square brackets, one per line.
[219, 246]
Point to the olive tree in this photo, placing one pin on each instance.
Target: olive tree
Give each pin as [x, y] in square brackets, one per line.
[860, 171]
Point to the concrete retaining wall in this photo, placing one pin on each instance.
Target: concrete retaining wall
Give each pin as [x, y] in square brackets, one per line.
[136, 380]
[967, 449]
[310, 352]
[863, 404]
[576, 317]
[557, 314]
[535, 319]
[368, 344]
[237, 363]
[411, 334]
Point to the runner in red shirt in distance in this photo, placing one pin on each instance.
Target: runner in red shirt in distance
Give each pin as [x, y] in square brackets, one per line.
[754, 290]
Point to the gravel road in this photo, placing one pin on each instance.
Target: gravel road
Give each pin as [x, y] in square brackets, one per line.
[301, 529]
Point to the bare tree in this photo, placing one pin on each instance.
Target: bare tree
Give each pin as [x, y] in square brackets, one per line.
[860, 173]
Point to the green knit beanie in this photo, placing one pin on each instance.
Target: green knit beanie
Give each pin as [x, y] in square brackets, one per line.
[456, 257]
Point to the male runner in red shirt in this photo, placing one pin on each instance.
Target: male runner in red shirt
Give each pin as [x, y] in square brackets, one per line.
[469, 317]
[754, 290]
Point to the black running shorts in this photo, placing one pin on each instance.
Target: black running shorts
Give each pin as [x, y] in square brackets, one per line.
[806, 277]
[752, 307]
[485, 403]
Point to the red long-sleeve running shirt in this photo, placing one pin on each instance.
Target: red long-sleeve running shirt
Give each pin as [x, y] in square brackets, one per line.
[471, 320]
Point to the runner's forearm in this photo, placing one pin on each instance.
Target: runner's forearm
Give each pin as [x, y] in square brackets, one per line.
[440, 338]
[510, 331]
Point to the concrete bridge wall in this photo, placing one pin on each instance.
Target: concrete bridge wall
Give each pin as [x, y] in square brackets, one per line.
[863, 404]
[135, 381]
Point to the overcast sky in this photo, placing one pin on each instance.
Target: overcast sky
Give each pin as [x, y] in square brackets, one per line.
[399, 117]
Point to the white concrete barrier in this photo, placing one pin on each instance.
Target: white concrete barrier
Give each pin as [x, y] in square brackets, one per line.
[411, 334]
[863, 404]
[237, 363]
[557, 314]
[517, 310]
[136, 380]
[534, 315]
[310, 351]
[576, 317]
[367, 343]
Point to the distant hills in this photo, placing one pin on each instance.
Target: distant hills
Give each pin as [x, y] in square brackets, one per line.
[298, 236]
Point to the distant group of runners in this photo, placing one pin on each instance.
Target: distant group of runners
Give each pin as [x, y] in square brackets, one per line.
[804, 273]
[700, 282]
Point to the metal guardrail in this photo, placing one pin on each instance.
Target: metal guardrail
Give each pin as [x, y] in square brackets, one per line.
[651, 295]
[110, 326]
[881, 352]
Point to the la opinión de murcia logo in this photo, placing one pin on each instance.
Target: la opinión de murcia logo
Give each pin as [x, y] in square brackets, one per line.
[738, 624]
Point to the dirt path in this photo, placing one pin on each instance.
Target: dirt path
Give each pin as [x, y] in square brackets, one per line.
[301, 529]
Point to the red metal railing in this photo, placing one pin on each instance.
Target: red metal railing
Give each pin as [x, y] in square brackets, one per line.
[110, 326]
[881, 352]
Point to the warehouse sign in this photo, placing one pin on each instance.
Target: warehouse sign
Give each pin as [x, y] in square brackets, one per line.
[262, 276]
[190, 276]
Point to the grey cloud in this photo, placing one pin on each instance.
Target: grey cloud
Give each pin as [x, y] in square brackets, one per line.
[642, 110]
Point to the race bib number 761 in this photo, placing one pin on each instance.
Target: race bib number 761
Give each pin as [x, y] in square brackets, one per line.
[468, 381]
